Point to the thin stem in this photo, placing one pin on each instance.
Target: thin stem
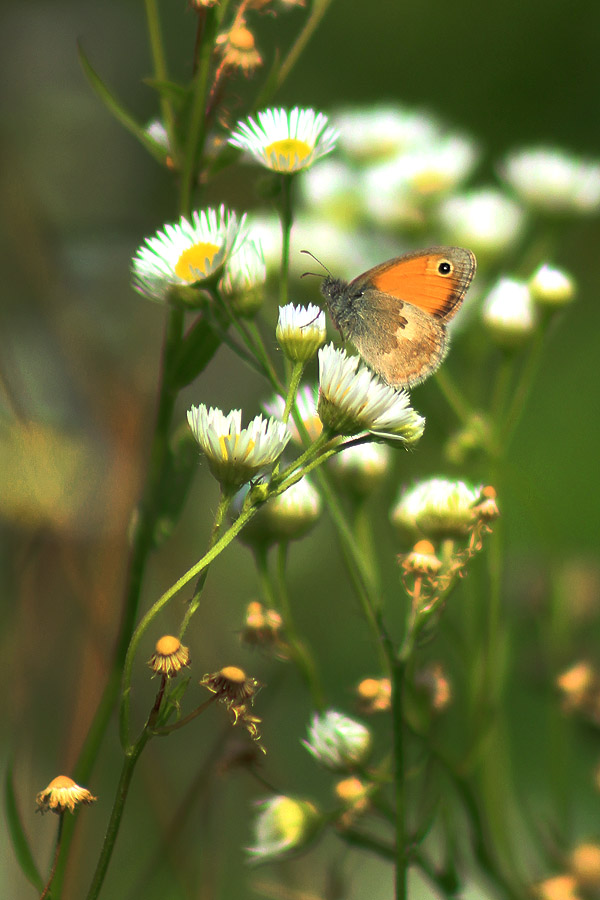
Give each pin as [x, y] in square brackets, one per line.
[286, 217]
[399, 775]
[319, 8]
[300, 654]
[521, 395]
[131, 758]
[453, 396]
[45, 893]
[161, 75]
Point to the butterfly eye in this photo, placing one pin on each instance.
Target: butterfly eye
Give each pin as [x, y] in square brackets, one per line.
[445, 267]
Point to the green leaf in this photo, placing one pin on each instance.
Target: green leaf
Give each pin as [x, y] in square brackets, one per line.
[199, 346]
[118, 110]
[168, 89]
[17, 834]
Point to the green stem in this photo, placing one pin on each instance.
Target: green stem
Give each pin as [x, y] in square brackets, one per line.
[131, 758]
[161, 75]
[222, 509]
[521, 395]
[286, 217]
[46, 892]
[319, 8]
[399, 775]
[453, 396]
[197, 122]
[300, 654]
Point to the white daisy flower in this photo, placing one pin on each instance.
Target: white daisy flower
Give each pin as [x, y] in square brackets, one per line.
[550, 179]
[245, 275]
[283, 825]
[486, 221]
[437, 508]
[383, 131]
[187, 252]
[337, 741]
[300, 331]
[551, 287]
[362, 467]
[330, 191]
[352, 399]
[286, 517]
[387, 198]
[306, 404]
[508, 312]
[437, 168]
[236, 454]
[285, 141]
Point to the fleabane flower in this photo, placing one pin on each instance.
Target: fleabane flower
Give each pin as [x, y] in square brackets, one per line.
[550, 287]
[551, 180]
[337, 741]
[283, 825]
[244, 275]
[285, 141]
[352, 400]
[236, 454]
[185, 253]
[383, 131]
[486, 221]
[288, 516]
[436, 168]
[508, 313]
[300, 331]
[306, 405]
[438, 508]
[361, 468]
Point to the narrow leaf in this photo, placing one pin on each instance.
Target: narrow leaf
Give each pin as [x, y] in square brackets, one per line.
[17, 833]
[118, 110]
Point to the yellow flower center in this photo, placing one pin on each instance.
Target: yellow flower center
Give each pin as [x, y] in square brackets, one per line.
[289, 153]
[431, 182]
[196, 262]
[228, 445]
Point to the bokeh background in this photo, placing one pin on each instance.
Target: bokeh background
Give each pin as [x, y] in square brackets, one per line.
[79, 352]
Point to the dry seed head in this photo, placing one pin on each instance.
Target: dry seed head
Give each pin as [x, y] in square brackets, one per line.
[354, 795]
[239, 50]
[231, 685]
[169, 657]
[559, 887]
[584, 863]
[61, 794]
[422, 559]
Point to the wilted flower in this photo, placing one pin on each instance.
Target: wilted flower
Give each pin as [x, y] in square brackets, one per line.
[169, 657]
[374, 695]
[238, 49]
[61, 794]
[354, 796]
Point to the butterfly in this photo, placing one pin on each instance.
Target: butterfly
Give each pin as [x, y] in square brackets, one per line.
[396, 313]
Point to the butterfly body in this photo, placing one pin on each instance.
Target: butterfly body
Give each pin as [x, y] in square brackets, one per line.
[395, 314]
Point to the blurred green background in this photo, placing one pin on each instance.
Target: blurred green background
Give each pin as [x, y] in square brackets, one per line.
[79, 352]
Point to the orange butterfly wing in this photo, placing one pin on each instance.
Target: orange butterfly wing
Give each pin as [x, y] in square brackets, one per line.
[434, 280]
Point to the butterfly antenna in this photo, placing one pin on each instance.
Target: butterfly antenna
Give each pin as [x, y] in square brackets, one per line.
[318, 274]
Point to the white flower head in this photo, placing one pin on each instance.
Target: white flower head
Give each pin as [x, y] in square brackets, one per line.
[285, 141]
[300, 331]
[508, 313]
[554, 181]
[383, 131]
[236, 454]
[282, 826]
[288, 516]
[330, 191]
[437, 168]
[352, 400]
[485, 220]
[158, 133]
[551, 287]
[437, 508]
[362, 467]
[187, 252]
[337, 741]
[387, 198]
[306, 404]
[244, 275]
